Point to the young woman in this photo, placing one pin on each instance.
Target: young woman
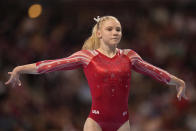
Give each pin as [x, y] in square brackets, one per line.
[108, 71]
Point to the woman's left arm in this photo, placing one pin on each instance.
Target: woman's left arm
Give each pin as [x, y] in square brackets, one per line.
[145, 68]
[141, 66]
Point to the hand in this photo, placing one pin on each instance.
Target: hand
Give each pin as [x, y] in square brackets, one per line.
[14, 78]
[180, 87]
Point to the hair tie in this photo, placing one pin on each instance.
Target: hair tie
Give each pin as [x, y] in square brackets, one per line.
[97, 19]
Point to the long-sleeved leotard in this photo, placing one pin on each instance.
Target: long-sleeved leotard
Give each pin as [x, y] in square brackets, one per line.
[109, 81]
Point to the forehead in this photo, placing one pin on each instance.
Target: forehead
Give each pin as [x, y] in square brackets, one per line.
[111, 22]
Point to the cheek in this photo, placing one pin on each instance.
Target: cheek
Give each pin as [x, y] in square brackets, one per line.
[120, 35]
[105, 35]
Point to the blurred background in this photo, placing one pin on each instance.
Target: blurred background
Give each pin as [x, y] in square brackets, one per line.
[162, 32]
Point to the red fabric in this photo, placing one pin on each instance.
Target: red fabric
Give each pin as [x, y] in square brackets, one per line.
[109, 81]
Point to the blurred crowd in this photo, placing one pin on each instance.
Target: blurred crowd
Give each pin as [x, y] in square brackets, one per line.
[163, 33]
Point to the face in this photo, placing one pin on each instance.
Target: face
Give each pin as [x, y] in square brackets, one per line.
[110, 32]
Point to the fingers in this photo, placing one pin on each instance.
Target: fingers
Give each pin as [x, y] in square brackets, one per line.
[7, 82]
[185, 97]
[179, 97]
[177, 88]
[14, 84]
[14, 80]
[19, 83]
[181, 93]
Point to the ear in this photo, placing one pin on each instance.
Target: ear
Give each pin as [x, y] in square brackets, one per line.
[99, 34]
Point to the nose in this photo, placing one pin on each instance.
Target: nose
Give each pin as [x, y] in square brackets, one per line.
[115, 33]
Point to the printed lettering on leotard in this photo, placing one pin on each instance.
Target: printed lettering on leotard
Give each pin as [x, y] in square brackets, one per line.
[95, 112]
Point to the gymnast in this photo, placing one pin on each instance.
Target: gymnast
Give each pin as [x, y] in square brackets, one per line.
[108, 72]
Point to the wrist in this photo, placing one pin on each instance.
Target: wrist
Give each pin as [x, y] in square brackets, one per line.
[176, 81]
[17, 70]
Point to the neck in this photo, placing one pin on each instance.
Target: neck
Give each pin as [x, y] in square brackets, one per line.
[107, 50]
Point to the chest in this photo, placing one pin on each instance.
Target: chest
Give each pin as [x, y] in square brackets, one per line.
[102, 68]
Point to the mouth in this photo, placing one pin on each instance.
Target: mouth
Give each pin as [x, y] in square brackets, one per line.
[115, 38]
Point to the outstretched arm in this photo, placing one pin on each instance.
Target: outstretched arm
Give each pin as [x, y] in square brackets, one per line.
[74, 61]
[160, 75]
[141, 66]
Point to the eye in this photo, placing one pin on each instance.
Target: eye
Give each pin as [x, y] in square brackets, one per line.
[118, 29]
[109, 29]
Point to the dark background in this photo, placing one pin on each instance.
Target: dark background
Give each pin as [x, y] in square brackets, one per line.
[162, 32]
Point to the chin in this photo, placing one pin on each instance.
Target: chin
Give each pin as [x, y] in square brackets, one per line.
[113, 44]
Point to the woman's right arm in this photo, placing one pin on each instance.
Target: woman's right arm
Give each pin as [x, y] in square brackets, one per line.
[76, 60]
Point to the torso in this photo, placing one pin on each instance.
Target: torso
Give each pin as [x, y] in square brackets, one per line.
[109, 82]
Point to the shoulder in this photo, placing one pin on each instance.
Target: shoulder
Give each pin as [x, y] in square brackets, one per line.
[129, 53]
[90, 53]
[126, 51]
[85, 53]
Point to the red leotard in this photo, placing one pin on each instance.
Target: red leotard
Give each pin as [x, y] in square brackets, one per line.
[109, 81]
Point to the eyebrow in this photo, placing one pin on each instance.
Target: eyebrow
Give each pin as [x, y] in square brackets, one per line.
[112, 27]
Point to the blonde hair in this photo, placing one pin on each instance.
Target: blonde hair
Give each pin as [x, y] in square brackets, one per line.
[93, 42]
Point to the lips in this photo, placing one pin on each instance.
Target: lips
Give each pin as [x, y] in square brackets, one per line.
[115, 38]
